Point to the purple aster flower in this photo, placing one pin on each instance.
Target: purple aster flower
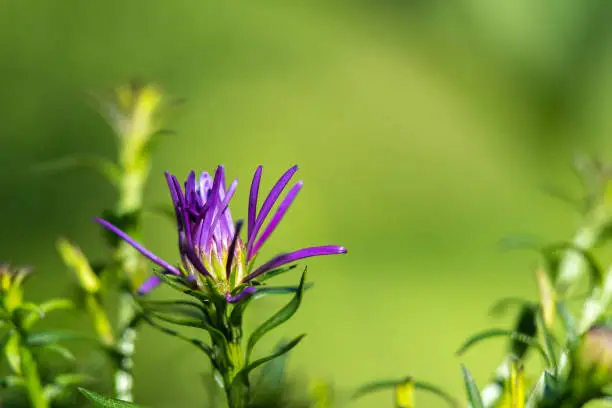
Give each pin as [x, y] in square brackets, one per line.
[209, 241]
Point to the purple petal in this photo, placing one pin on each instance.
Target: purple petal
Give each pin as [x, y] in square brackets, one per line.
[278, 216]
[150, 284]
[232, 249]
[284, 259]
[249, 290]
[190, 190]
[202, 188]
[181, 209]
[267, 206]
[171, 186]
[138, 247]
[253, 200]
[211, 205]
[226, 225]
[221, 208]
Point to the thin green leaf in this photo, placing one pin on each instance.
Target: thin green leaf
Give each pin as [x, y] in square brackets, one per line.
[179, 283]
[373, 387]
[472, 390]
[493, 333]
[73, 379]
[60, 350]
[272, 374]
[549, 343]
[285, 348]
[191, 340]
[102, 401]
[109, 170]
[49, 337]
[262, 291]
[385, 385]
[277, 319]
[177, 309]
[275, 272]
[568, 322]
[219, 338]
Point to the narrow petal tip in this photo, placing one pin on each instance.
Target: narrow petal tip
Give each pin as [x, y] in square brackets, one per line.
[148, 285]
[249, 290]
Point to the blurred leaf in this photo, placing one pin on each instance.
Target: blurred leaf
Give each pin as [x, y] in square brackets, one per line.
[109, 170]
[547, 298]
[527, 325]
[493, 333]
[101, 401]
[273, 372]
[277, 319]
[502, 306]
[383, 385]
[472, 390]
[595, 269]
[60, 350]
[12, 381]
[50, 337]
[76, 260]
[47, 307]
[63, 383]
[73, 379]
[549, 343]
[558, 193]
[569, 324]
[11, 350]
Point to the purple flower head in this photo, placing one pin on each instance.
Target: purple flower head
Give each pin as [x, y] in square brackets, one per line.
[209, 241]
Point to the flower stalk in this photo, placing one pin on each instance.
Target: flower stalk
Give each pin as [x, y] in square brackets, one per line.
[218, 269]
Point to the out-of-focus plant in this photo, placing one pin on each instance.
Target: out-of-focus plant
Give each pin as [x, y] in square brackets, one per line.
[574, 349]
[24, 346]
[136, 113]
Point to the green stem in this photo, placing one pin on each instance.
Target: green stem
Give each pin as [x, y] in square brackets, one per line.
[135, 168]
[32, 378]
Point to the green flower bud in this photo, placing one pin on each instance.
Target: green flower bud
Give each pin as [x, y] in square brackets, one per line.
[592, 362]
[11, 280]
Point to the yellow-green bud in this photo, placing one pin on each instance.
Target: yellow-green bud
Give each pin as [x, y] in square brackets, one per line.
[592, 361]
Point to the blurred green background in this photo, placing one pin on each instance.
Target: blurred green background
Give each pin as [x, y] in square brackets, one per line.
[422, 129]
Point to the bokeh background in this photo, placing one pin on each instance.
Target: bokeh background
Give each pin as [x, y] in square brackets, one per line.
[423, 130]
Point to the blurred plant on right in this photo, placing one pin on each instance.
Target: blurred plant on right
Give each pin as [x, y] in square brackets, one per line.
[573, 343]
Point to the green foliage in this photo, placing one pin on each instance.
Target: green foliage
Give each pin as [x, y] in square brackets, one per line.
[101, 401]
